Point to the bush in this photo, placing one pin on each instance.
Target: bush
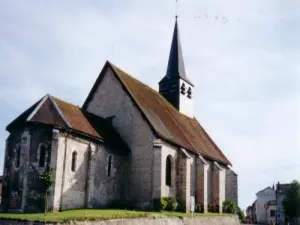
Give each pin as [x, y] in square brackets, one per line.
[199, 208]
[213, 208]
[172, 204]
[163, 203]
[181, 207]
[229, 207]
[241, 214]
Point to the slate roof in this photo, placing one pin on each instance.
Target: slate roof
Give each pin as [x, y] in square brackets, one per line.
[53, 111]
[282, 188]
[166, 121]
[176, 63]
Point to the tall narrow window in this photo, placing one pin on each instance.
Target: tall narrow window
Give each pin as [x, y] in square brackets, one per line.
[109, 166]
[74, 159]
[168, 171]
[18, 155]
[42, 156]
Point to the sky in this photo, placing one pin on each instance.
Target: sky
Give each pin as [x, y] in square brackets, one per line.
[242, 56]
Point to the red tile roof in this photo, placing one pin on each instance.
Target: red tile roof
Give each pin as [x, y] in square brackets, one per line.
[166, 120]
[76, 118]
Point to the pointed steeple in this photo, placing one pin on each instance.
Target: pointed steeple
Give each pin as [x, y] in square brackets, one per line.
[176, 66]
[175, 87]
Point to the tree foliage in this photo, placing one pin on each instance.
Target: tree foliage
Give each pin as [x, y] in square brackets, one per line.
[46, 179]
[229, 207]
[241, 214]
[291, 203]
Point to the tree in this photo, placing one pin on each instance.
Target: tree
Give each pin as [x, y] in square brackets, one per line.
[47, 181]
[291, 203]
[241, 214]
[229, 207]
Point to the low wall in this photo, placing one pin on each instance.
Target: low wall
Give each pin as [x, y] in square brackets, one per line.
[214, 220]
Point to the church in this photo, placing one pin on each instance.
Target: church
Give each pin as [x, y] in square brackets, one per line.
[127, 143]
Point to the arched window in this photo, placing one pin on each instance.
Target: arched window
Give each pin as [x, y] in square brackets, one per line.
[42, 158]
[109, 165]
[18, 155]
[168, 171]
[74, 159]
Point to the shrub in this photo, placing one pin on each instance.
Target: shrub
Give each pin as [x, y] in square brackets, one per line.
[181, 207]
[199, 208]
[229, 207]
[210, 208]
[172, 204]
[163, 203]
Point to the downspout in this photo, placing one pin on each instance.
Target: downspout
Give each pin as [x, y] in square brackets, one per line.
[63, 175]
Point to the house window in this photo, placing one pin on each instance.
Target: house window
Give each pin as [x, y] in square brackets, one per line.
[168, 171]
[74, 159]
[18, 155]
[272, 213]
[42, 158]
[109, 165]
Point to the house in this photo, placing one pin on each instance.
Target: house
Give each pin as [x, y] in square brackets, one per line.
[265, 205]
[128, 143]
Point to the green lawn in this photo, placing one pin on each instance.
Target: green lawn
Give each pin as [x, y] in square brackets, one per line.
[96, 214]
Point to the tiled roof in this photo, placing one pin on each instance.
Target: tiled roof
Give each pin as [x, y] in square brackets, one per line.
[53, 111]
[76, 117]
[166, 120]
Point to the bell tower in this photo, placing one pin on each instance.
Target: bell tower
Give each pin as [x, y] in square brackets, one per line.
[175, 86]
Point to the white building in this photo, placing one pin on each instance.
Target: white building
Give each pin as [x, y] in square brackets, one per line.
[266, 205]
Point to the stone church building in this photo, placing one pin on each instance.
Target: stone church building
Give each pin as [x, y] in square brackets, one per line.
[127, 143]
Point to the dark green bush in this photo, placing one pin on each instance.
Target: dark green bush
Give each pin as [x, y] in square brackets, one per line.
[172, 204]
[229, 207]
[181, 207]
[199, 208]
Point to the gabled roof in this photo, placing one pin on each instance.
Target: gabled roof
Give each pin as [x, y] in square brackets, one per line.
[53, 111]
[265, 190]
[166, 121]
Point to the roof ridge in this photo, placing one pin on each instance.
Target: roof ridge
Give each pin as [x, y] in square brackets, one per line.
[147, 86]
[60, 113]
[118, 68]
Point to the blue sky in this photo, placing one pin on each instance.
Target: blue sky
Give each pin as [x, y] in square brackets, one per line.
[243, 57]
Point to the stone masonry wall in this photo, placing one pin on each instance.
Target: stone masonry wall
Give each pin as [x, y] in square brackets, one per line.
[231, 186]
[110, 99]
[21, 186]
[89, 185]
[72, 194]
[107, 188]
[171, 151]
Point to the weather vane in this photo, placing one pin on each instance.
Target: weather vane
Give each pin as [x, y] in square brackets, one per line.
[176, 9]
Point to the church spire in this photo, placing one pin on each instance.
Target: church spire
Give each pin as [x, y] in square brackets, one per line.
[175, 87]
[176, 68]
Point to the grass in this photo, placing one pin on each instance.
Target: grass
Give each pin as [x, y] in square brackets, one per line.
[96, 214]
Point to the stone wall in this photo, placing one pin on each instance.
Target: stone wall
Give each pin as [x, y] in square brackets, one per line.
[89, 185]
[231, 186]
[111, 100]
[215, 220]
[22, 189]
[171, 152]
